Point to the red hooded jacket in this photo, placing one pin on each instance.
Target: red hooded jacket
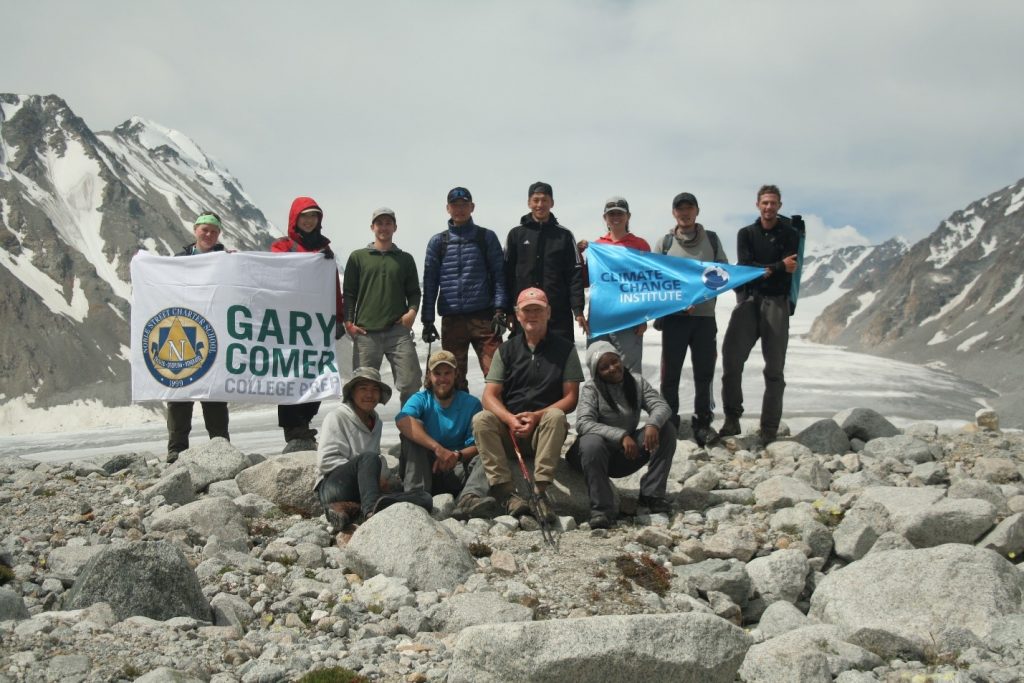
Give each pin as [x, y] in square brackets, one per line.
[297, 241]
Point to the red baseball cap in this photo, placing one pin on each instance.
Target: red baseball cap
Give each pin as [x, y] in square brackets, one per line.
[532, 296]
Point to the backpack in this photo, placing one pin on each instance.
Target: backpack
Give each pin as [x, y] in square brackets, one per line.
[716, 244]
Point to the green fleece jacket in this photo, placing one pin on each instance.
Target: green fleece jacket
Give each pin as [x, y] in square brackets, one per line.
[379, 287]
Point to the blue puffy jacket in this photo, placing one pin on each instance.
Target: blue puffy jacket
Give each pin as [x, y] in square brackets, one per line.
[468, 281]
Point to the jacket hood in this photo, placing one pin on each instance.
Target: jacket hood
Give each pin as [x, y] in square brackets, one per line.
[299, 205]
[594, 353]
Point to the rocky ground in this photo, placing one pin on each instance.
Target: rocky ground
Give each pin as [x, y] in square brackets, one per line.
[853, 552]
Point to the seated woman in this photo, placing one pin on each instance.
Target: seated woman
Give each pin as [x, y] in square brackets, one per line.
[609, 442]
[348, 457]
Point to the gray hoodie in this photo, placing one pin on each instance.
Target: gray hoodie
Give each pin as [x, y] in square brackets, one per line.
[594, 415]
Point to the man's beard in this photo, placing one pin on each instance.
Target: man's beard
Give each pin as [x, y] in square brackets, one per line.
[445, 394]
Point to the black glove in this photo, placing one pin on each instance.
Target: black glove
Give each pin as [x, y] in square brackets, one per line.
[499, 323]
[430, 333]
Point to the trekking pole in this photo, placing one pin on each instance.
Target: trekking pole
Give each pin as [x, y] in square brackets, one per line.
[534, 499]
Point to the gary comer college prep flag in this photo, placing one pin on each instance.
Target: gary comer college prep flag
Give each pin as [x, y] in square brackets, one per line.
[253, 327]
[629, 287]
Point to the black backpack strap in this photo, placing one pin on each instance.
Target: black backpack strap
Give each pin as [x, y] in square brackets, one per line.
[666, 243]
[716, 246]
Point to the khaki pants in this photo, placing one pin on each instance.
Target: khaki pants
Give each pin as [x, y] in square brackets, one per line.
[544, 445]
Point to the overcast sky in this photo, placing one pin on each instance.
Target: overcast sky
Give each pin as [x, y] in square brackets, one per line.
[883, 116]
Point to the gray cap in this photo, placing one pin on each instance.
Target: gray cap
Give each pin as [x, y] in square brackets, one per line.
[382, 211]
[366, 374]
[616, 204]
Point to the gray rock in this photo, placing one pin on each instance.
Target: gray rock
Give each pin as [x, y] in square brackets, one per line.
[1007, 537]
[987, 419]
[922, 430]
[309, 531]
[786, 450]
[855, 482]
[251, 505]
[975, 488]
[946, 521]
[725, 576]
[175, 486]
[902, 447]
[231, 610]
[444, 504]
[120, 461]
[780, 492]
[648, 647]
[260, 671]
[779, 576]
[824, 436]
[68, 667]
[808, 654]
[387, 592]
[152, 579]
[215, 460]
[165, 674]
[68, 560]
[901, 603]
[739, 542]
[403, 540]
[891, 540]
[1007, 636]
[285, 480]
[706, 479]
[228, 488]
[12, 606]
[995, 470]
[928, 474]
[473, 609]
[781, 617]
[865, 424]
[212, 516]
[859, 530]
[815, 474]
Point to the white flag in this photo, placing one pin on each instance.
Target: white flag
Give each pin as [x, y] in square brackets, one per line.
[249, 328]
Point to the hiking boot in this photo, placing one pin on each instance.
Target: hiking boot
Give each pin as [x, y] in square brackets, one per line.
[731, 426]
[297, 445]
[172, 456]
[472, 506]
[516, 506]
[337, 519]
[656, 504]
[599, 520]
[766, 436]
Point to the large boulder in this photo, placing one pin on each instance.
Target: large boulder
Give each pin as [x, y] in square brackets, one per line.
[722, 576]
[285, 480]
[175, 486]
[473, 609]
[922, 515]
[1007, 537]
[805, 655]
[683, 648]
[949, 520]
[779, 576]
[909, 602]
[213, 516]
[781, 492]
[68, 560]
[902, 447]
[824, 436]
[865, 424]
[405, 541]
[151, 579]
[215, 460]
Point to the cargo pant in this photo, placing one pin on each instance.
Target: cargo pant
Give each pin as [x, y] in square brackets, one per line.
[369, 350]
[765, 318]
[458, 332]
[544, 446]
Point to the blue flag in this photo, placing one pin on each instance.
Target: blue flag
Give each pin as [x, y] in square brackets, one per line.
[629, 287]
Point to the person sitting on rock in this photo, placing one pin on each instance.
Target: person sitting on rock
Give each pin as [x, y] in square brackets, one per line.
[439, 451]
[348, 457]
[533, 383]
[610, 444]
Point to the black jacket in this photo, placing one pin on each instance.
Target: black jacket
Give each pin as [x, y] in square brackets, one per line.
[191, 249]
[545, 256]
[756, 246]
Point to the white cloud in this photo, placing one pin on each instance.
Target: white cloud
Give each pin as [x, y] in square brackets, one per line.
[821, 237]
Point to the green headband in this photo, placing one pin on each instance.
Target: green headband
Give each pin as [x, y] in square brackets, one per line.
[208, 220]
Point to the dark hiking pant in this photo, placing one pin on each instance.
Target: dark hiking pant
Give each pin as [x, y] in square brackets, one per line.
[179, 422]
[357, 481]
[462, 479]
[765, 318]
[295, 419]
[697, 333]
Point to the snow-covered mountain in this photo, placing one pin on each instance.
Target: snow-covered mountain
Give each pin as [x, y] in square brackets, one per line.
[75, 206]
[954, 298]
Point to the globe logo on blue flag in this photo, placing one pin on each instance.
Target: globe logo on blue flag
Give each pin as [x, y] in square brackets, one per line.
[715, 278]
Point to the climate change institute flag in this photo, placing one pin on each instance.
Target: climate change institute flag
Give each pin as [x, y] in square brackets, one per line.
[629, 287]
[252, 327]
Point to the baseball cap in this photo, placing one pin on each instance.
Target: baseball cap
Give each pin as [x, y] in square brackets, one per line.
[459, 193]
[532, 296]
[312, 209]
[441, 358]
[382, 211]
[541, 187]
[616, 204]
[684, 198]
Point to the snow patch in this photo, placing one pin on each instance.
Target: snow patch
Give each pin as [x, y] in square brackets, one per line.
[989, 246]
[958, 236]
[939, 337]
[51, 293]
[971, 341]
[1009, 296]
[10, 109]
[952, 303]
[20, 417]
[863, 301]
[1016, 201]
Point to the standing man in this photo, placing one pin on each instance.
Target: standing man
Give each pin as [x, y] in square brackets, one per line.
[465, 266]
[439, 450]
[694, 328]
[382, 295]
[305, 235]
[762, 312]
[629, 342]
[533, 384]
[542, 253]
[215, 413]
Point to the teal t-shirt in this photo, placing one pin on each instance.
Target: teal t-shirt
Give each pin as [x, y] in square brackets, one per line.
[452, 427]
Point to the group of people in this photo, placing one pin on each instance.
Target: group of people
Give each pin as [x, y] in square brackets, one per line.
[453, 442]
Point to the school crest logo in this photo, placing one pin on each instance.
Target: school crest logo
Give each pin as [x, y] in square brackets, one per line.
[180, 346]
[715, 278]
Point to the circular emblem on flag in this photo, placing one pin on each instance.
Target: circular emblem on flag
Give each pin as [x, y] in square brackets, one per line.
[715, 277]
[179, 346]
